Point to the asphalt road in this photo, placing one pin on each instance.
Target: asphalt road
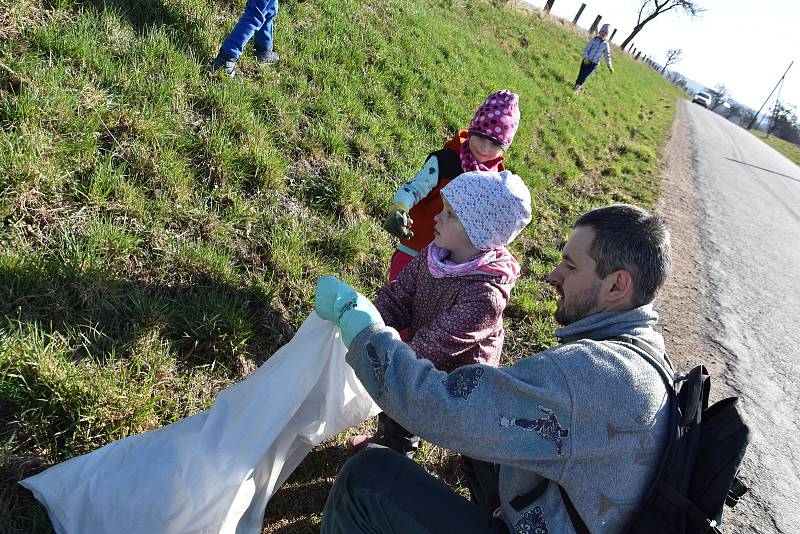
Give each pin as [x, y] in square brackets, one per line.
[749, 198]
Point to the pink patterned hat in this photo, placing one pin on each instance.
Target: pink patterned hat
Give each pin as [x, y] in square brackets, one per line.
[498, 118]
[494, 207]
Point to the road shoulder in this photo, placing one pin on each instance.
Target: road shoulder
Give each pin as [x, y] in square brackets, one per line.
[686, 304]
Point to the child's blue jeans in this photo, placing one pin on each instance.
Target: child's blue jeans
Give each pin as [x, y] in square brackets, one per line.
[255, 23]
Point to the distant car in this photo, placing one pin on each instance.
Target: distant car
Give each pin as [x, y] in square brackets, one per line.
[702, 98]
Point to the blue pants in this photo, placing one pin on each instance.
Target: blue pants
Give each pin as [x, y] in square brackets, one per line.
[379, 490]
[256, 23]
[585, 71]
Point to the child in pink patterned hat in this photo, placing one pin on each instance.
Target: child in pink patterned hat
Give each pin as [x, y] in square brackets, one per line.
[496, 120]
[451, 296]
[479, 148]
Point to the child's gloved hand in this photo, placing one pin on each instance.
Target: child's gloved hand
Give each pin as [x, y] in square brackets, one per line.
[349, 309]
[398, 223]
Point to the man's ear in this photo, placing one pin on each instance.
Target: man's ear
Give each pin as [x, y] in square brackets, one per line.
[618, 288]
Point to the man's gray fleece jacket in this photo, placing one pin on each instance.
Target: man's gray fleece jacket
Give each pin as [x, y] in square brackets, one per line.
[589, 414]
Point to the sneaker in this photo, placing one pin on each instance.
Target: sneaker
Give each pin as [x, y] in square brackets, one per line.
[357, 443]
[266, 57]
[223, 62]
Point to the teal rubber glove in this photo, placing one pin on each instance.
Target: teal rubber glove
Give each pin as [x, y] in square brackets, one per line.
[349, 309]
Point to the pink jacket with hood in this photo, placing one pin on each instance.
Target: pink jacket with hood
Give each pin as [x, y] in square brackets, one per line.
[455, 320]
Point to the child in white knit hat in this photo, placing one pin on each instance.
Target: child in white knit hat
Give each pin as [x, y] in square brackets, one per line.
[595, 49]
[451, 297]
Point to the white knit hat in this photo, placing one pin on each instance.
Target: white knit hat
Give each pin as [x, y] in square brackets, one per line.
[605, 28]
[494, 207]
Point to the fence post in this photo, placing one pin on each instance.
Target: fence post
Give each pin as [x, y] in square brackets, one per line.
[639, 53]
[595, 24]
[575, 20]
[612, 35]
[634, 52]
[548, 6]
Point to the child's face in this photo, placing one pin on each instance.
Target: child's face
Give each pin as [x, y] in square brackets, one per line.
[483, 149]
[449, 232]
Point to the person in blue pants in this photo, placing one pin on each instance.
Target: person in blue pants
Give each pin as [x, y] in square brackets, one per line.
[593, 53]
[255, 23]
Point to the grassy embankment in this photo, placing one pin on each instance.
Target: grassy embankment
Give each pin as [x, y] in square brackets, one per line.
[162, 229]
[790, 150]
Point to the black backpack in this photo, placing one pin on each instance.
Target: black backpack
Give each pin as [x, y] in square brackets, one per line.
[696, 476]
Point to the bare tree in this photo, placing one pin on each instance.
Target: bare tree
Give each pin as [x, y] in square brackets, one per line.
[783, 123]
[739, 113]
[652, 8]
[679, 80]
[673, 56]
[720, 95]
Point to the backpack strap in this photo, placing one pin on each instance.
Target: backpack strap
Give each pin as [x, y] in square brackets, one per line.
[735, 493]
[577, 522]
[520, 502]
[652, 356]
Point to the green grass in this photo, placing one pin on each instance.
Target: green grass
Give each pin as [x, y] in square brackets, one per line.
[790, 150]
[162, 229]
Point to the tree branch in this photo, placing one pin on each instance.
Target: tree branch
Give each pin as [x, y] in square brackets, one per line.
[641, 10]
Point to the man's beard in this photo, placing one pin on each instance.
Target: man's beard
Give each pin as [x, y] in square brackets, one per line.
[584, 306]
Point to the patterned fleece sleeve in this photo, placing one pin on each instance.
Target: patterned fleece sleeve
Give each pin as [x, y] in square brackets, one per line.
[394, 300]
[519, 416]
[420, 185]
[453, 338]
[607, 54]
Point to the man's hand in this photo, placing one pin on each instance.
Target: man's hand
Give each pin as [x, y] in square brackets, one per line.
[398, 223]
[349, 309]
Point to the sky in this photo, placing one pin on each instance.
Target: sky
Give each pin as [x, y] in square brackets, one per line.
[745, 45]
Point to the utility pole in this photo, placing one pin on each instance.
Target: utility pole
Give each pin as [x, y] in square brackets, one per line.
[770, 95]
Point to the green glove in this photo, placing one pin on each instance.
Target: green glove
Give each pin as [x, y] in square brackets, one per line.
[349, 309]
[398, 223]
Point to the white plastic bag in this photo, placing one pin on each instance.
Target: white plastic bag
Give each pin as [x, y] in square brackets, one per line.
[214, 472]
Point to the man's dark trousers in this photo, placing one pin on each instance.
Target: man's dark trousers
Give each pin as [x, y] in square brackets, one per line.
[379, 490]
